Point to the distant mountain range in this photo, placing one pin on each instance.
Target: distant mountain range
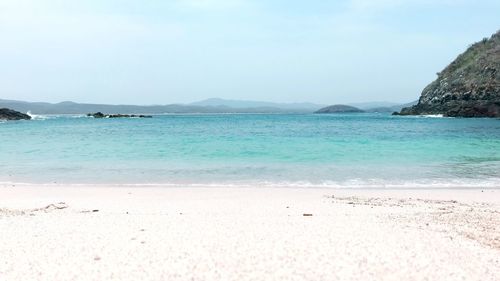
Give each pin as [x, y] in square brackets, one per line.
[257, 104]
[392, 108]
[68, 107]
[374, 104]
[206, 106]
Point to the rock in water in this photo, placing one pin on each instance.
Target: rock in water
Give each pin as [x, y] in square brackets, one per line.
[96, 115]
[9, 114]
[101, 115]
[468, 87]
[339, 108]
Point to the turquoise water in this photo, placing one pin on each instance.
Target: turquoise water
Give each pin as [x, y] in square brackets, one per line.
[355, 150]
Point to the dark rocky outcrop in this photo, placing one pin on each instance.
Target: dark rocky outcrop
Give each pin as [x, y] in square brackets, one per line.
[102, 115]
[9, 114]
[339, 108]
[468, 87]
[96, 115]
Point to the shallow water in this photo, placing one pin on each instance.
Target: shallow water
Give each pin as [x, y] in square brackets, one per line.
[355, 150]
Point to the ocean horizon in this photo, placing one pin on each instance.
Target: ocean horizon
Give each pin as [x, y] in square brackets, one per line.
[365, 150]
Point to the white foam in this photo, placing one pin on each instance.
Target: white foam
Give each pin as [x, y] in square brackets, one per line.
[432, 116]
[38, 117]
[493, 183]
[54, 116]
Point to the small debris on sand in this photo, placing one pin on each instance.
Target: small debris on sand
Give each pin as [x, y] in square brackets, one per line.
[46, 209]
[57, 206]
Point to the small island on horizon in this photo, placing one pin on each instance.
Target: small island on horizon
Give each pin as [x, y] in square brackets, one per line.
[339, 108]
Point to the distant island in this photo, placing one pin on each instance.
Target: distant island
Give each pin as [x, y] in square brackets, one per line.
[468, 87]
[209, 106]
[339, 108]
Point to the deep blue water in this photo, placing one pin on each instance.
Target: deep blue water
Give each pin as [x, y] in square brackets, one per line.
[355, 150]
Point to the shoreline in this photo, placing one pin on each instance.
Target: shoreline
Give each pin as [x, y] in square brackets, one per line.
[410, 185]
[373, 190]
[154, 233]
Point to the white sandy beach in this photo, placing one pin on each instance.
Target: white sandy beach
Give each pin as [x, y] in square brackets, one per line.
[148, 233]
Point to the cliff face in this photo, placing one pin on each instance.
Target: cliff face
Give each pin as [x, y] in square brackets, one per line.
[468, 87]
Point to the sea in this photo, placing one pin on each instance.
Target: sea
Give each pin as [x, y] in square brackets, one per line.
[365, 150]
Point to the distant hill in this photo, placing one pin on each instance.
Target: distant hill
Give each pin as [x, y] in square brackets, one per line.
[394, 108]
[373, 104]
[207, 106]
[305, 106]
[84, 108]
[339, 108]
[468, 87]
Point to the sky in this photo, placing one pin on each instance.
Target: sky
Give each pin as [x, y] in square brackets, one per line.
[180, 51]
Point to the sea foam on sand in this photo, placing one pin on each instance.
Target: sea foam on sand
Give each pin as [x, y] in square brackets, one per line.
[145, 233]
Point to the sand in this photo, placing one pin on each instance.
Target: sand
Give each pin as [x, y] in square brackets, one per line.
[151, 233]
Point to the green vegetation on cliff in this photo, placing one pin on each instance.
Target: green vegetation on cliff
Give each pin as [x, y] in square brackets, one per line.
[468, 87]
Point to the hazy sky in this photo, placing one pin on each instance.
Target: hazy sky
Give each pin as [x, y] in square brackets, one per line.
[159, 52]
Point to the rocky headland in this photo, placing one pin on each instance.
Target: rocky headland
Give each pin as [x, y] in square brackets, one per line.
[339, 108]
[468, 87]
[9, 114]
